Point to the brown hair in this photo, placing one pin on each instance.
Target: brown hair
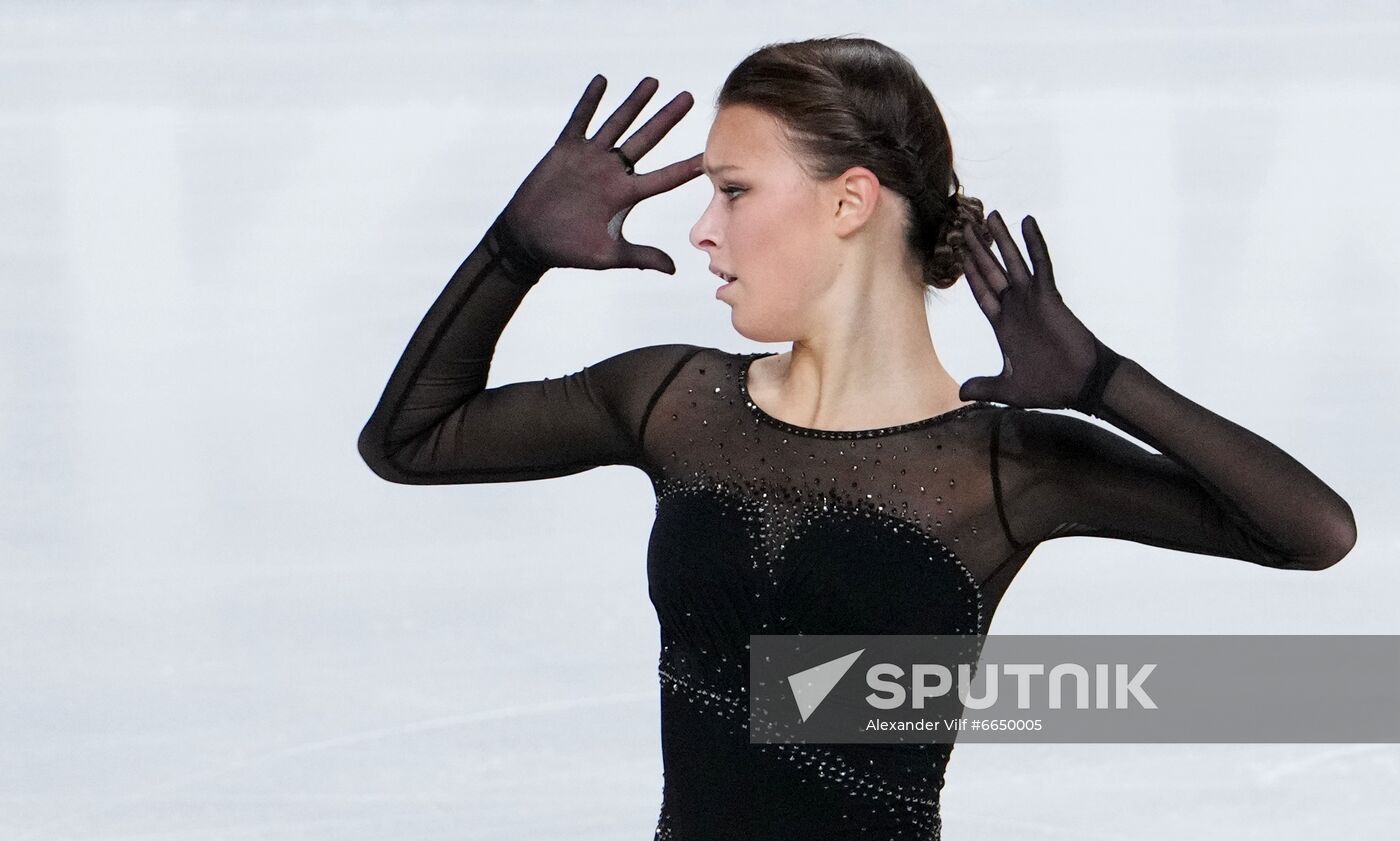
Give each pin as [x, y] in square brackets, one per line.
[844, 102]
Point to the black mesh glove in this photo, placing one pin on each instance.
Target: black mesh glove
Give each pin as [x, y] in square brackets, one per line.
[1050, 359]
[568, 212]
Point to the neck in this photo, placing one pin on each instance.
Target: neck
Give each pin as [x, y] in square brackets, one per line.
[872, 364]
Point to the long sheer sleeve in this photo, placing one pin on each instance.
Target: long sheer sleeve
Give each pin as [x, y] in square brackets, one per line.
[437, 423]
[1215, 488]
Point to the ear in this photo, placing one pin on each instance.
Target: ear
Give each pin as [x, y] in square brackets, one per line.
[856, 192]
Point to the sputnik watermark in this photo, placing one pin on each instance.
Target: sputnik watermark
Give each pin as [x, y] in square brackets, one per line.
[811, 686]
[1191, 689]
[882, 678]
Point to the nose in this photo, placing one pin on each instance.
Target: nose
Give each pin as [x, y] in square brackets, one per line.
[702, 232]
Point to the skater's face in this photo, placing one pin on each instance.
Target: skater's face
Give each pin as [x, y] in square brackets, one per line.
[768, 224]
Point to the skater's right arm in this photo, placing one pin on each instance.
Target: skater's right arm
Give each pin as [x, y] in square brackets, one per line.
[436, 422]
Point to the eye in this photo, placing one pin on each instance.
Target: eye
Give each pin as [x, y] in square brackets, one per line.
[731, 191]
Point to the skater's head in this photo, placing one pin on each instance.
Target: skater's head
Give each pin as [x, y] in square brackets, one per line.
[832, 171]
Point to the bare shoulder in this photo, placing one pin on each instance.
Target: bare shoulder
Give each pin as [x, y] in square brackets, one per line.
[764, 372]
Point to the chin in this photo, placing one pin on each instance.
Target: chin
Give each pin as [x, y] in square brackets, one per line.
[758, 329]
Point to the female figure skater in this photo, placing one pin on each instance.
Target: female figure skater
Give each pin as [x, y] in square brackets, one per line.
[849, 485]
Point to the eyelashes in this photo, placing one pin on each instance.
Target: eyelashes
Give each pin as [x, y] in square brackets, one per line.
[731, 191]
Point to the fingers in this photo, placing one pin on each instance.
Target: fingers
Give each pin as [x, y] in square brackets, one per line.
[671, 177]
[584, 109]
[620, 119]
[645, 257]
[1016, 270]
[1040, 255]
[981, 388]
[986, 297]
[992, 273]
[644, 138]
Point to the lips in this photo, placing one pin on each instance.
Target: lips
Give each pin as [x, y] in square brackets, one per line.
[727, 278]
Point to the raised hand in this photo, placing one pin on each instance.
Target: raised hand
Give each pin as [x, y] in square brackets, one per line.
[568, 212]
[1050, 359]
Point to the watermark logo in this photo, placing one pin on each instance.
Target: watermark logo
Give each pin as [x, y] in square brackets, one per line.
[811, 686]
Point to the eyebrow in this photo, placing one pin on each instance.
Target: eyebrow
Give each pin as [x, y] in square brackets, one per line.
[721, 168]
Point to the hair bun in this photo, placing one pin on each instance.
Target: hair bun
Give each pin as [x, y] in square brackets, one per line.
[944, 264]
